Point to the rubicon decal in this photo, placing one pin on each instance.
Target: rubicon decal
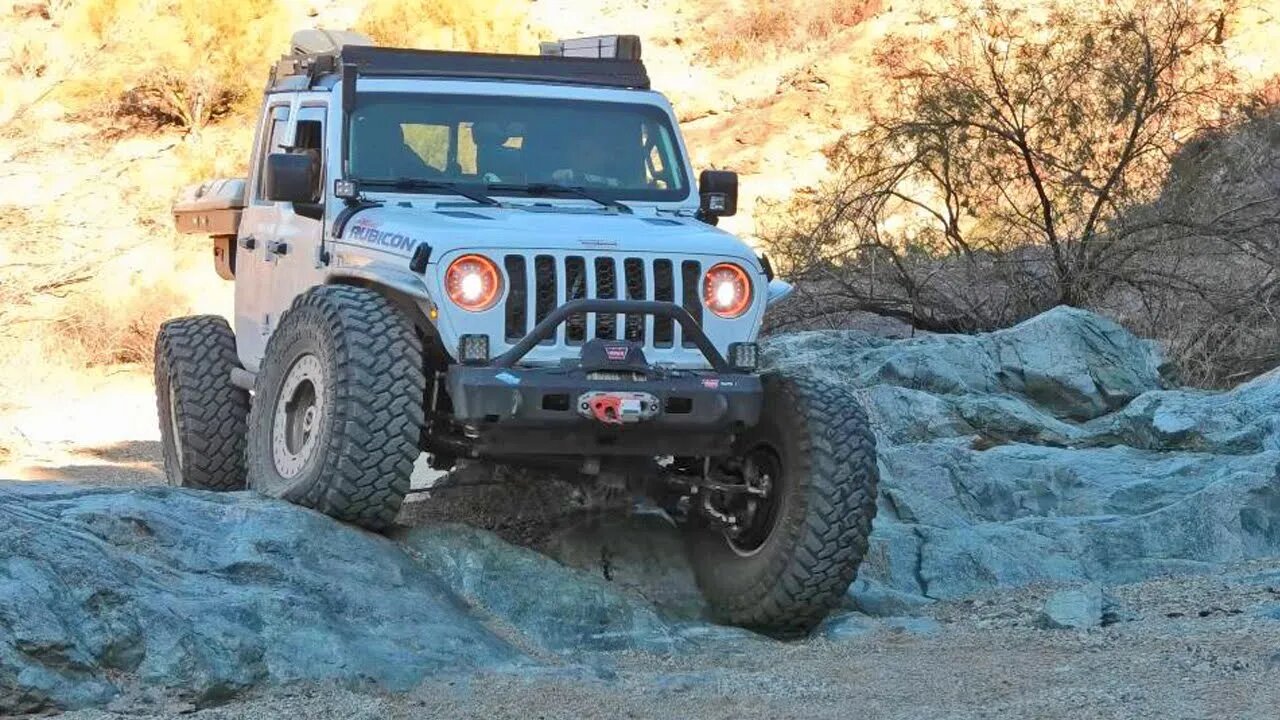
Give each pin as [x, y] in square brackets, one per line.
[369, 234]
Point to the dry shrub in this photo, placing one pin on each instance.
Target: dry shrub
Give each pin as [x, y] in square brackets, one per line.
[101, 330]
[169, 62]
[28, 57]
[476, 25]
[754, 27]
[1032, 159]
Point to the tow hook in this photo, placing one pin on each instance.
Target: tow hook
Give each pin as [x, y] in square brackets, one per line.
[618, 408]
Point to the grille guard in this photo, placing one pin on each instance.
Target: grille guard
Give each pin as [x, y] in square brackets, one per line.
[546, 328]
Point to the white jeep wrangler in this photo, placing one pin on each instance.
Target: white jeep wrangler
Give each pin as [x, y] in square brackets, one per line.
[503, 260]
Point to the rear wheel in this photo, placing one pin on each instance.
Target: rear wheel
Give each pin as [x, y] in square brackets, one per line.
[337, 410]
[202, 415]
[800, 532]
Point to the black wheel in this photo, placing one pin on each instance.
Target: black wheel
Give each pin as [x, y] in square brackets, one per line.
[337, 408]
[202, 415]
[801, 532]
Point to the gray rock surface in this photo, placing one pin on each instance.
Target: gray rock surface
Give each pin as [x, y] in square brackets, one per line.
[1051, 453]
[1054, 451]
[202, 596]
[552, 606]
[1073, 609]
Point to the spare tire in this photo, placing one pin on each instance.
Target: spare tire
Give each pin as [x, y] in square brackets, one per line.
[338, 407]
[202, 415]
[798, 546]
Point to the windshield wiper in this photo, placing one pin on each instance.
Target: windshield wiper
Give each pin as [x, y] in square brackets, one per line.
[544, 189]
[423, 185]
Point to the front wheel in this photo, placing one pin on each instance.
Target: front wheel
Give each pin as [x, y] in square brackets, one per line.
[338, 407]
[802, 531]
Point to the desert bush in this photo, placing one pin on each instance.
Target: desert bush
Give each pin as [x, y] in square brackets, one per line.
[170, 62]
[102, 330]
[756, 27]
[1020, 164]
[476, 25]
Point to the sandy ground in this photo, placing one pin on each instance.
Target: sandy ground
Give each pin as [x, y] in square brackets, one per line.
[1196, 647]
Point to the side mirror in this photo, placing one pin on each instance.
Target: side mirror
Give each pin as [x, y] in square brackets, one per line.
[292, 177]
[719, 191]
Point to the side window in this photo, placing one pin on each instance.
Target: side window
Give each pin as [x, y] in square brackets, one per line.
[657, 146]
[308, 138]
[277, 125]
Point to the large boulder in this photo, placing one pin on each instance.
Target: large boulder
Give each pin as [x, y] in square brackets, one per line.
[1069, 363]
[554, 607]
[1054, 451]
[200, 596]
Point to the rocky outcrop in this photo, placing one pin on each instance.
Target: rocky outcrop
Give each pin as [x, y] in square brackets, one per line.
[1055, 451]
[201, 596]
[1051, 451]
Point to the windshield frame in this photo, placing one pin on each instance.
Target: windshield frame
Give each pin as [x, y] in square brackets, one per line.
[651, 104]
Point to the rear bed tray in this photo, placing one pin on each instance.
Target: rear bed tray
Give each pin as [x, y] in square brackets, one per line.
[211, 208]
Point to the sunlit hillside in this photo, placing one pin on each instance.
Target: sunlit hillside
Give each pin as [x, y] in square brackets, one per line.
[108, 107]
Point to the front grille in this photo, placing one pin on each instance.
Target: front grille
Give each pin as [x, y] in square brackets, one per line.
[551, 281]
[663, 290]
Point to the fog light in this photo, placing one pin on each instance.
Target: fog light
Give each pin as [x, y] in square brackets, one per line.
[744, 356]
[473, 349]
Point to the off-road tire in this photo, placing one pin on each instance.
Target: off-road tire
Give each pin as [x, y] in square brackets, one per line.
[827, 497]
[202, 415]
[371, 399]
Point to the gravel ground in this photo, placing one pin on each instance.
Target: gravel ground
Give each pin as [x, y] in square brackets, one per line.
[1192, 647]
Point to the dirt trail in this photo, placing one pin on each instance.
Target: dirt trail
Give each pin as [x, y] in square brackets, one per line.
[1194, 647]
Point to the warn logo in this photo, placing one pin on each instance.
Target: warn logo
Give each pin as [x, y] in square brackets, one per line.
[616, 353]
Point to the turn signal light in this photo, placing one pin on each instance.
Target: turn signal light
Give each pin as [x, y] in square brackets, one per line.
[473, 283]
[726, 290]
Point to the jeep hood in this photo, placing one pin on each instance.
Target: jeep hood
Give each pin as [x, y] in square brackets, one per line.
[454, 227]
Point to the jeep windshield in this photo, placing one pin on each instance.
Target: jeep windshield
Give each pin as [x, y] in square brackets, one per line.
[516, 146]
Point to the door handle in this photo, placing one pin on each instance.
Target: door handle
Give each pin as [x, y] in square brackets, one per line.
[278, 248]
[249, 242]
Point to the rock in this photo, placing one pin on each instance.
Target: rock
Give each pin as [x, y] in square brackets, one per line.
[641, 552]
[877, 600]
[1053, 451]
[557, 608]
[848, 626]
[205, 595]
[1074, 609]
[1068, 362]
[845, 627]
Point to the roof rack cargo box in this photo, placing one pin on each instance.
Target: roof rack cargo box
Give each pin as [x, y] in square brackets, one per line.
[213, 208]
[622, 47]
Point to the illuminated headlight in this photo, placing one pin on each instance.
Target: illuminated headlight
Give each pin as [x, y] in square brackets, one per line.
[473, 283]
[726, 290]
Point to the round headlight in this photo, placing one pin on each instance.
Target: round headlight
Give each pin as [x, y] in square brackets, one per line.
[473, 282]
[726, 290]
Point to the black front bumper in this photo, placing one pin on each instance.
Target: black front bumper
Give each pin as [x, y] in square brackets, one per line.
[514, 410]
[535, 411]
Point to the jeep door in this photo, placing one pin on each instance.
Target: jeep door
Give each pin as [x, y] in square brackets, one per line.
[256, 314]
[296, 237]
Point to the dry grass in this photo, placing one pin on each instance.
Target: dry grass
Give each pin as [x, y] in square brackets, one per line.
[756, 28]
[481, 25]
[178, 62]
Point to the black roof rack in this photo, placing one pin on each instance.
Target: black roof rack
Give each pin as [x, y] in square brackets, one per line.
[373, 61]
